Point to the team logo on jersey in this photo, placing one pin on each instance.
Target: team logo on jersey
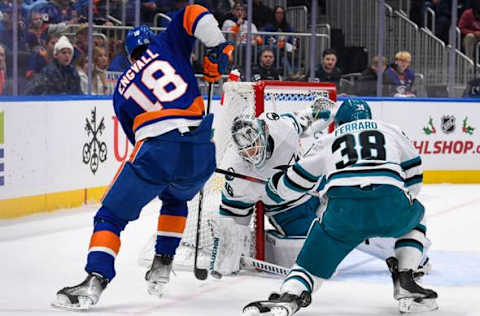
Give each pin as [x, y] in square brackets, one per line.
[95, 150]
[273, 116]
[448, 124]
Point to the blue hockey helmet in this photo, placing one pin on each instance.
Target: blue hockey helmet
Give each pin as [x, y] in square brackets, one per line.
[352, 110]
[136, 37]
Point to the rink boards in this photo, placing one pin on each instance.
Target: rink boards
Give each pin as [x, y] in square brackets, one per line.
[63, 152]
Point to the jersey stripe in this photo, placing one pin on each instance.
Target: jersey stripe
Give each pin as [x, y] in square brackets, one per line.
[193, 111]
[192, 15]
[171, 223]
[106, 239]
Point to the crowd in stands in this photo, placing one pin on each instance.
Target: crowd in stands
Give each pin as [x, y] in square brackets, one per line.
[53, 44]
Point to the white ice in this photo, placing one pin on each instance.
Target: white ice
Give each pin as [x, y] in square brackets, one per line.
[41, 254]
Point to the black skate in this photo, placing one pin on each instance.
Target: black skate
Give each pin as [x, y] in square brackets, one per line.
[410, 295]
[83, 295]
[159, 274]
[278, 305]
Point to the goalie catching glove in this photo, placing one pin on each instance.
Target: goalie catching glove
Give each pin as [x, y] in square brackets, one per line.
[216, 61]
[321, 110]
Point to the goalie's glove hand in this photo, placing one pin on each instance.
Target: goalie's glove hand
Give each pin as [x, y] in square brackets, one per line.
[216, 61]
[322, 108]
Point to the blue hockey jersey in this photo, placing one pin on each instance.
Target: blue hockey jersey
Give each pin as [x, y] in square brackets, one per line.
[159, 92]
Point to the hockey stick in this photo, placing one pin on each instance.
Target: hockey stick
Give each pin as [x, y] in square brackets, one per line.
[253, 179]
[240, 176]
[201, 274]
[264, 266]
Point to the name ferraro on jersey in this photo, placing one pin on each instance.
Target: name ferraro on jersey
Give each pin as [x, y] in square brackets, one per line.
[355, 126]
[134, 69]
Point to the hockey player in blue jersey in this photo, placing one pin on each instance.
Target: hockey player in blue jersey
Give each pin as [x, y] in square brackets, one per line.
[371, 174]
[159, 105]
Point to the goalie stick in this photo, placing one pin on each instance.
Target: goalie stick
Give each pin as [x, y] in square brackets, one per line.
[264, 266]
[201, 274]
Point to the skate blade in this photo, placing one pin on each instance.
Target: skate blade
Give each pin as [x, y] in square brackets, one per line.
[251, 311]
[62, 302]
[417, 305]
[265, 311]
[156, 289]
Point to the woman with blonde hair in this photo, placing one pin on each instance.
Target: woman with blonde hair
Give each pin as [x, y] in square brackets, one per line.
[100, 64]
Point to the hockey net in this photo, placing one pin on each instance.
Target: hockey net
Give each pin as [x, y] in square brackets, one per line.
[239, 98]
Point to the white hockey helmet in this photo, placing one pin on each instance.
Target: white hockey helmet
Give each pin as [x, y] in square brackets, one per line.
[250, 136]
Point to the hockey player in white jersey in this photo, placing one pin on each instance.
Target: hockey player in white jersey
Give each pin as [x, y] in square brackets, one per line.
[263, 146]
[371, 173]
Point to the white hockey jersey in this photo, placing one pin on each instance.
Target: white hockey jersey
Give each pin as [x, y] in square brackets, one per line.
[239, 196]
[359, 153]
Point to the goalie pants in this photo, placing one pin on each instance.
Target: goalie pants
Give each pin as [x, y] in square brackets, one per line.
[354, 214]
[172, 166]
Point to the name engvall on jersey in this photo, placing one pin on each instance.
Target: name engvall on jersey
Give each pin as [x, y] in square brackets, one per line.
[135, 69]
[355, 126]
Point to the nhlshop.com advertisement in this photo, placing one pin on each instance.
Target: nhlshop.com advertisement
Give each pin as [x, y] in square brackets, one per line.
[446, 133]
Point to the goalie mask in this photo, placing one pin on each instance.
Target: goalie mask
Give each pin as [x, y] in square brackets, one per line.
[251, 138]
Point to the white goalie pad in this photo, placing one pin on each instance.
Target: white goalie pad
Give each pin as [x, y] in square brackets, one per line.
[231, 240]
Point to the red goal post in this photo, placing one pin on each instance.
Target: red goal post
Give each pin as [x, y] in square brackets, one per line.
[292, 91]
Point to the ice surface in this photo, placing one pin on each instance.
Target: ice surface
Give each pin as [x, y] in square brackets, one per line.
[41, 254]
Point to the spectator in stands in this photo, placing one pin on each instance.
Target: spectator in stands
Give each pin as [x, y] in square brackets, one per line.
[6, 31]
[284, 46]
[59, 76]
[37, 31]
[443, 14]
[57, 11]
[99, 79]
[80, 47]
[120, 61]
[261, 14]
[100, 59]
[265, 70]
[236, 22]
[81, 66]
[327, 70]
[41, 56]
[469, 25]
[402, 78]
[3, 71]
[366, 84]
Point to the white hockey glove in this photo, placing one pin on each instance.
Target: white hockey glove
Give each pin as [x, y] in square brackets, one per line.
[230, 241]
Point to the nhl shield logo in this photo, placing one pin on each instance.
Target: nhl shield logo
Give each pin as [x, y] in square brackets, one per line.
[448, 123]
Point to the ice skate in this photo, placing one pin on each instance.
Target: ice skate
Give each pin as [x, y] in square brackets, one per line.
[83, 295]
[278, 305]
[159, 274]
[412, 298]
